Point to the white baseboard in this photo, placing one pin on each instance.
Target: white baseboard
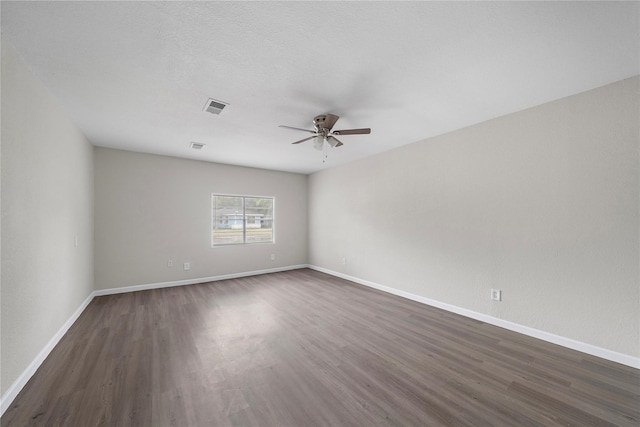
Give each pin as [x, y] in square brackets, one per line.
[135, 288]
[22, 380]
[593, 350]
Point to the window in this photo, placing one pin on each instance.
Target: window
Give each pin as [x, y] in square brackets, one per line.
[241, 219]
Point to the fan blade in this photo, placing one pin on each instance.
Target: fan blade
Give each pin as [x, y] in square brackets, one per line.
[352, 131]
[303, 140]
[337, 143]
[291, 127]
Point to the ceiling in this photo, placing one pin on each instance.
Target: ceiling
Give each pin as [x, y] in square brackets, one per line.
[136, 75]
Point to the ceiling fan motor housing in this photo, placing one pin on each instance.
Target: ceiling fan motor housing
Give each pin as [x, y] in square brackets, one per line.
[325, 121]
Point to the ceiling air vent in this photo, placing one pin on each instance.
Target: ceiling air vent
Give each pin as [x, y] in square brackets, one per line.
[214, 107]
[197, 145]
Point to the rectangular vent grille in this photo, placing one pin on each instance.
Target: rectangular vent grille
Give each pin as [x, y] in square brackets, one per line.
[214, 107]
[197, 145]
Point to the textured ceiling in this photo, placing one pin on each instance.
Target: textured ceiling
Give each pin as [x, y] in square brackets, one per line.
[135, 75]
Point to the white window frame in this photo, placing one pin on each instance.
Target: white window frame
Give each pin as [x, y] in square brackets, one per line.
[244, 222]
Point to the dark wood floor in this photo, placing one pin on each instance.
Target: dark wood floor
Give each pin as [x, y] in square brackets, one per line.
[302, 348]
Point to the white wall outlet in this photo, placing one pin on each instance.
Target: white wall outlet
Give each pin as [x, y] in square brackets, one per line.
[344, 260]
[75, 241]
[273, 257]
[187, 266]
[496, 294]
[170, 263]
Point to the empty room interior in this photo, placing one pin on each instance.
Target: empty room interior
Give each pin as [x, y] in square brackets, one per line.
[320, 213]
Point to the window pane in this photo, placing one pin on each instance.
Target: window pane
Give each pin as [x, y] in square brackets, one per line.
[227, 220]
[259, 219]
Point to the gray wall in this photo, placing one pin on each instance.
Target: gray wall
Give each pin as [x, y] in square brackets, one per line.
[47, 200]
[150, 209]
[542, 204]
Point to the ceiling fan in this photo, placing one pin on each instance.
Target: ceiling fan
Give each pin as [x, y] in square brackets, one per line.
[322, 133]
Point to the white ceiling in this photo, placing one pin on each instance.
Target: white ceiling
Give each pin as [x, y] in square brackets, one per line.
[135, 75]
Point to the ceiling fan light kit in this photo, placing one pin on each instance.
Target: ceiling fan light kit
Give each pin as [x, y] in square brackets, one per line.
[322, 133]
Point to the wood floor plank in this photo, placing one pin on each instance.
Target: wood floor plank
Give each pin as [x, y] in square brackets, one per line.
[302, 348]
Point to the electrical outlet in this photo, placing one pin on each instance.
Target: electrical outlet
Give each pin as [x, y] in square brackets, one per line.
[273, 257]
[344, 260]
[170, 263]
[187, 266]
[496, 294]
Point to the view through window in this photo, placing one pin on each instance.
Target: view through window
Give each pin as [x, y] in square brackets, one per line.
[241, 219]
